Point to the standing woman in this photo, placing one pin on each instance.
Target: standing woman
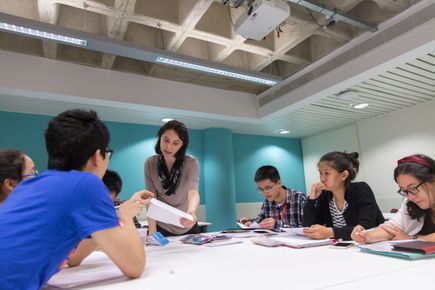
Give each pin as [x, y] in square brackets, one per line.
[14, 167]
[173, 177]
[415, 176]
[336, 205]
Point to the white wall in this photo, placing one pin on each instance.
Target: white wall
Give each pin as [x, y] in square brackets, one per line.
[313, 147]
[382, 141]
[387, 138]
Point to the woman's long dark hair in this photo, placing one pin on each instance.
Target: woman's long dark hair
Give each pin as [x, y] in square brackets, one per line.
[421, 167]
[182, 133]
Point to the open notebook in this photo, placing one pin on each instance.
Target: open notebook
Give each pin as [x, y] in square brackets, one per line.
[292, 241]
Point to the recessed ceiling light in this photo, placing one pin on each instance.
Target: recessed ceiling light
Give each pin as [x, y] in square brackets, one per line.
[164, 120]
[361, 106]
[283, 132]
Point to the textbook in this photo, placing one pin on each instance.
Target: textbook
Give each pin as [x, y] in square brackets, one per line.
[165, 213]
[387, 249]
[293, 241]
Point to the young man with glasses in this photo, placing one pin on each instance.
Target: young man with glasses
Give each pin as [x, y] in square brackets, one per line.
[282, 207]
[415, 176]
[46, 217]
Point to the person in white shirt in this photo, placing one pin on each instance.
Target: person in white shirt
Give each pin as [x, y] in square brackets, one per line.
[415, 176]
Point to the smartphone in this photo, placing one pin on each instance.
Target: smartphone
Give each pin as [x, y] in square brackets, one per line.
[341, 245]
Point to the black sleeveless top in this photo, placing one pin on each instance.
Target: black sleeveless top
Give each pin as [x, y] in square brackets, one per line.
[428, 226]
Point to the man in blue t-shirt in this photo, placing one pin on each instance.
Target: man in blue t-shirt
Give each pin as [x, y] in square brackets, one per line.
[46, 217]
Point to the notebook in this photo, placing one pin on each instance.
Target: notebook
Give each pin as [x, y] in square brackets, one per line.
[292, 241]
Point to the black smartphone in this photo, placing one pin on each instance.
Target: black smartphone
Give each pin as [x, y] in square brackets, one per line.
[342, 245]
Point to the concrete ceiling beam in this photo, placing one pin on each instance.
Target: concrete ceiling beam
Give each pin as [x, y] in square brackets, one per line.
[49, 13]
[117, 27]
[190, 22]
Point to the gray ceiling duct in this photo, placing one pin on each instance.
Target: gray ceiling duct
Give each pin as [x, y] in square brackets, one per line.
[333, 14]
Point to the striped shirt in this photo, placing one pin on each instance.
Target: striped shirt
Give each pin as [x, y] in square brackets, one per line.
[292, 209]
[337, 215]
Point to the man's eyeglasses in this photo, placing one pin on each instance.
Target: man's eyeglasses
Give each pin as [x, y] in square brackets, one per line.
[35, 173]
[109, 153]
[410, 190]
[267, 188]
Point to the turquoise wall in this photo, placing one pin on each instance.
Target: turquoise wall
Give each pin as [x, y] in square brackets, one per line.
[251, 152]
[219, 178]
[133, 143]
[25, 132]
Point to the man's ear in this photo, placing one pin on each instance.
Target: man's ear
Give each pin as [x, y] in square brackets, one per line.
[9, 184]
[96, 157]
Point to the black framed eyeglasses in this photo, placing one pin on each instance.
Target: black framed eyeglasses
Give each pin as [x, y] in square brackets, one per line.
[267, 188]
[109, 152]
[35, 173]
[410, 190]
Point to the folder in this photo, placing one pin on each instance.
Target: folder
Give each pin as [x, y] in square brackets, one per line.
[386, 249]
[417, 246]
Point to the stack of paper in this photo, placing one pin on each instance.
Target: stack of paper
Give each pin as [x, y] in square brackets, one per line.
[291, 241]
[165, 213]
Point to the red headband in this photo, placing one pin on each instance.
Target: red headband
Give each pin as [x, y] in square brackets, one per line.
[415, 159]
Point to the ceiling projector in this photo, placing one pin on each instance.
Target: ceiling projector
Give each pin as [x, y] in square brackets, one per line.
[261, 17]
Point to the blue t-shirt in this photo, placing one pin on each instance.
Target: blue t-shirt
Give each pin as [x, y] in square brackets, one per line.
[44, 219]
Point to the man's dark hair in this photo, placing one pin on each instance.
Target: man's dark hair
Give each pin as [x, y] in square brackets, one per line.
[182, 133]
[73, 137]
[267, 172]
[113, 181]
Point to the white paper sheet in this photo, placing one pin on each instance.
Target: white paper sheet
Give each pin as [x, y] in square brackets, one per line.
[300, 241]
[254, 225]
[291, 241]
[294, 231]
[165, 213]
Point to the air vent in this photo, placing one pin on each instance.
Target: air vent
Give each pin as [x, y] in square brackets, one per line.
[387, 35]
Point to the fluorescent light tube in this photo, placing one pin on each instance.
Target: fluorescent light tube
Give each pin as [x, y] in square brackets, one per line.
[42, 34]
[174, 62]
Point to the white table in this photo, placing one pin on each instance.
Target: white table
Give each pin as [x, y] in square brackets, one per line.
[249, 266]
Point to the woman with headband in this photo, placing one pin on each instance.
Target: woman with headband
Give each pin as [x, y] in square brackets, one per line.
[415, 176]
